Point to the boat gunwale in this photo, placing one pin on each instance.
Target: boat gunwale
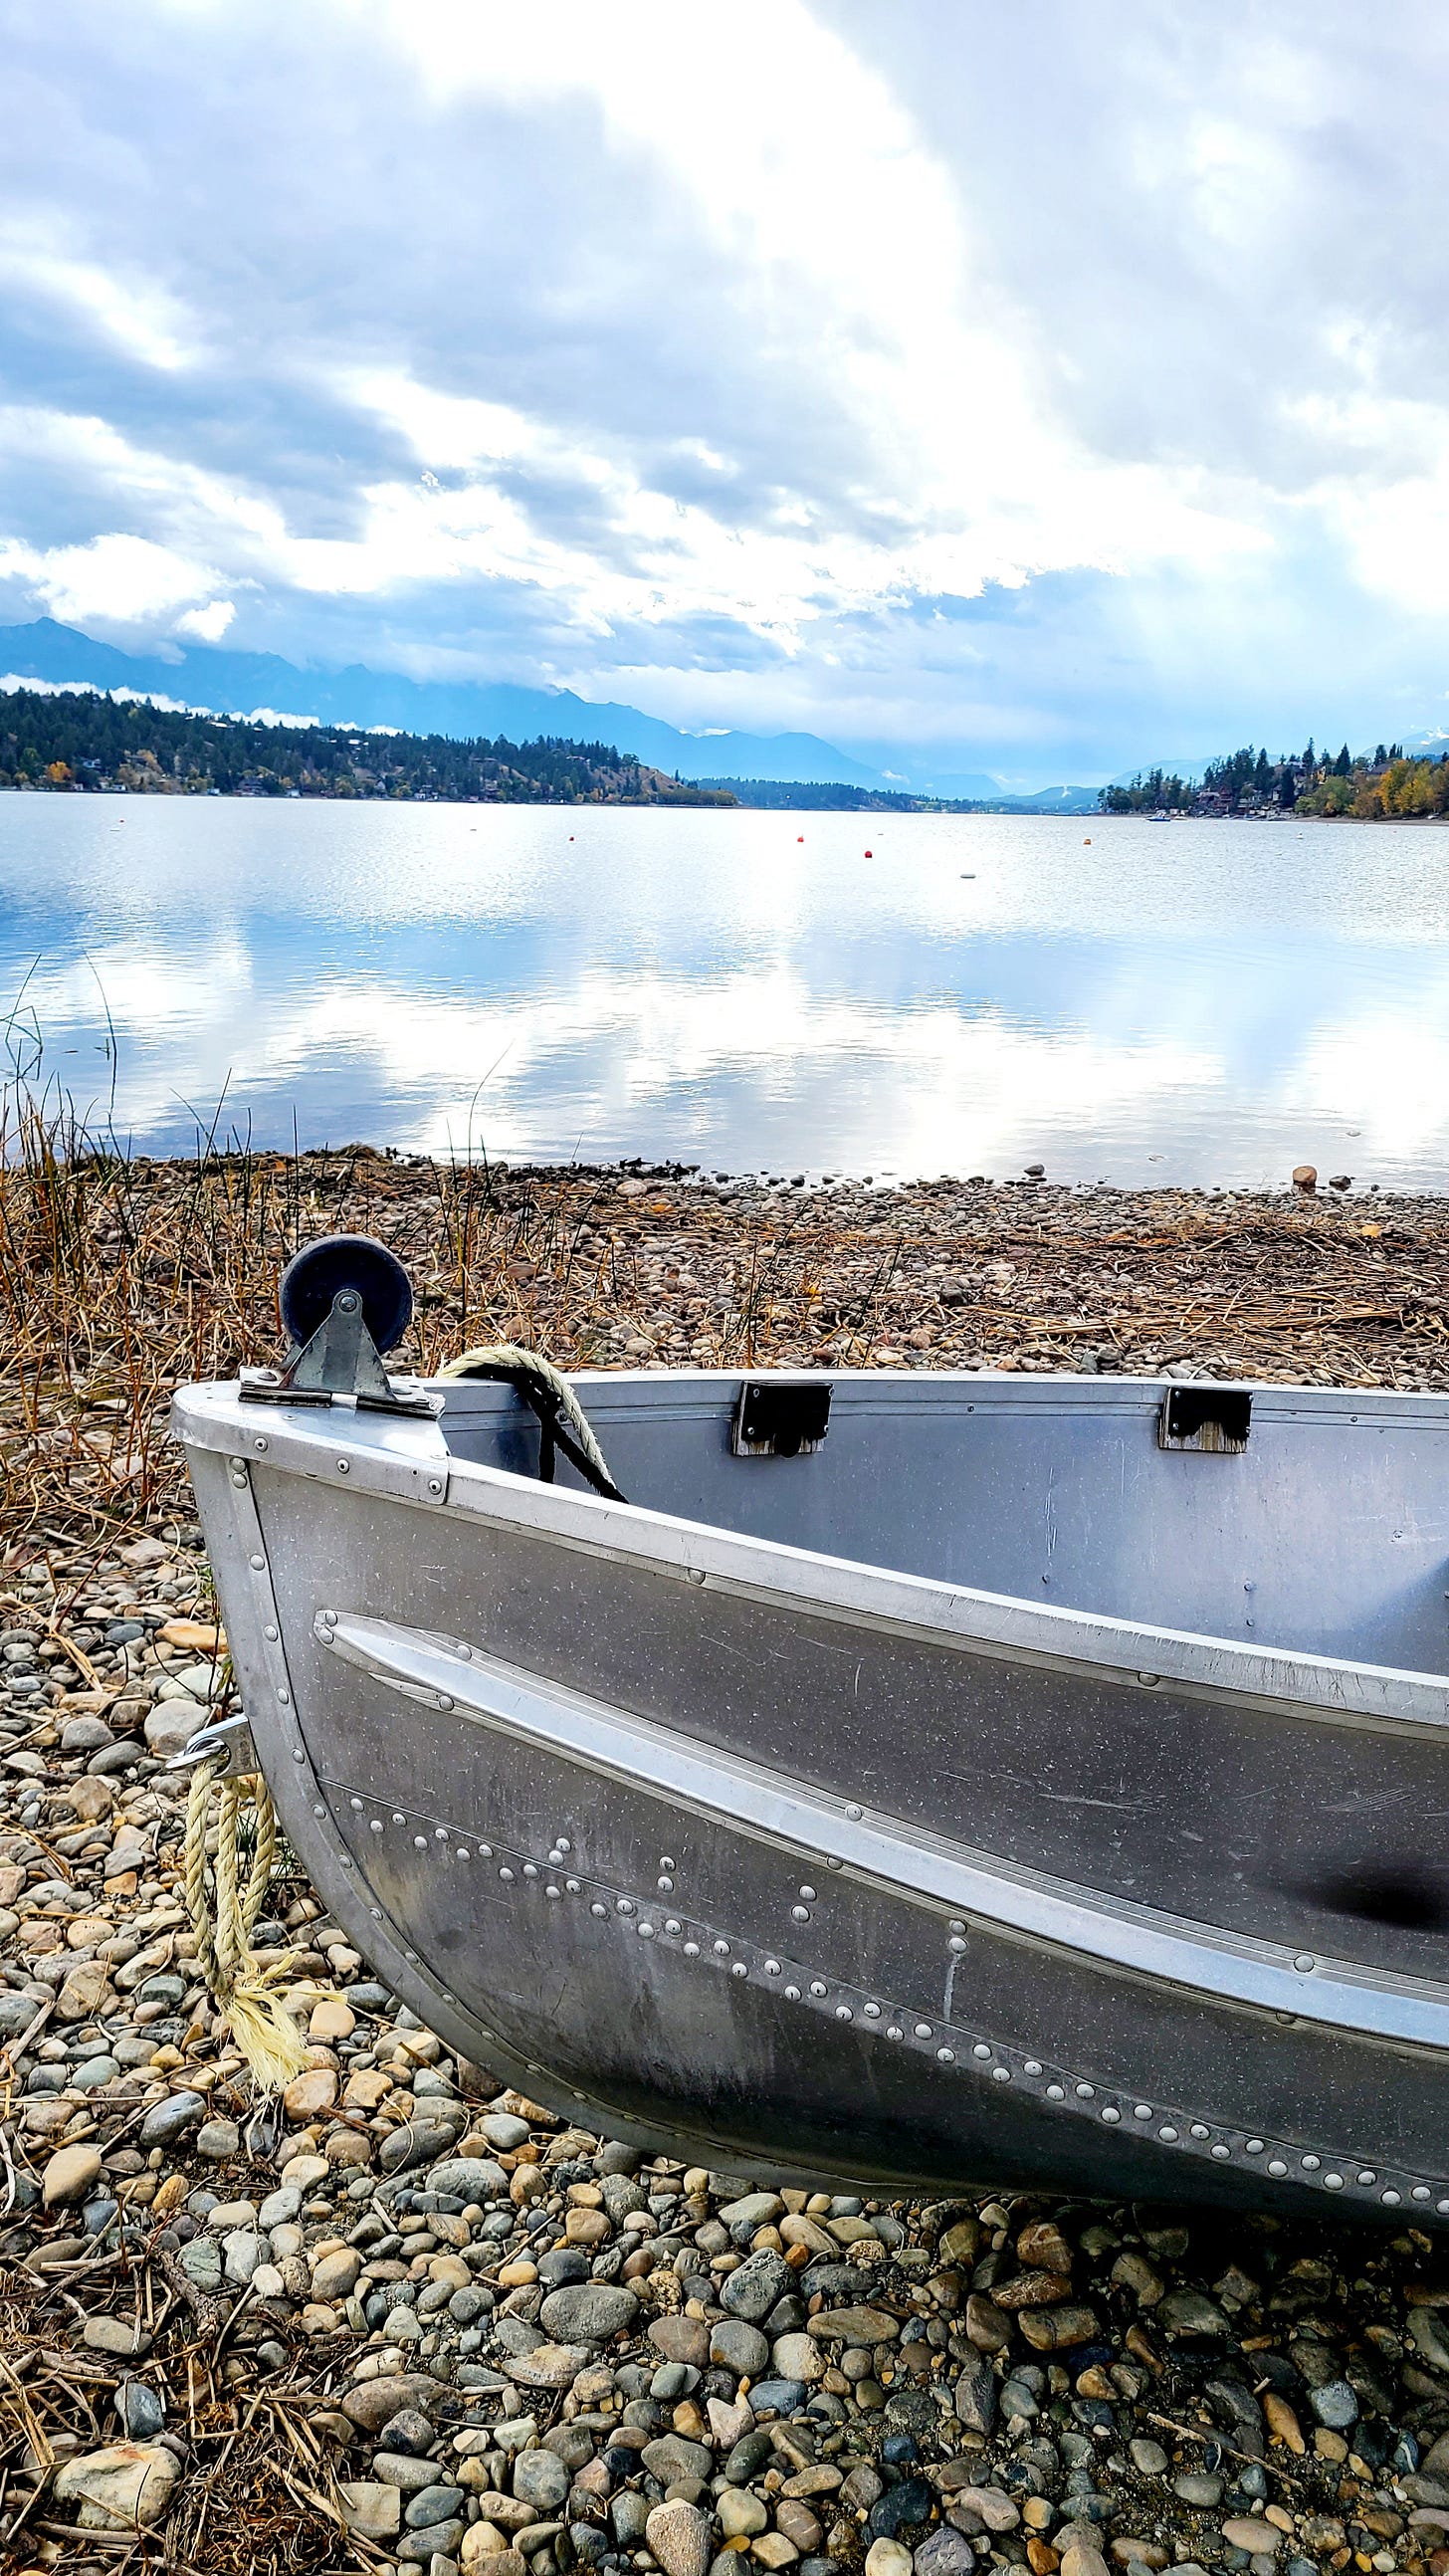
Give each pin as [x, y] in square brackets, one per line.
[405, 1459]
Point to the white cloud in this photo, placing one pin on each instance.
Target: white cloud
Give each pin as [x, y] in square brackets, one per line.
[13, 681]
[127, 312]
[115, 580]
[207, 624]
[820, 190]
[641, 556]
[1040, 376]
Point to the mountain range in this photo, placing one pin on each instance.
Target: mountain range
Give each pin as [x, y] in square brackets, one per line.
[216, 682]
[210, 680]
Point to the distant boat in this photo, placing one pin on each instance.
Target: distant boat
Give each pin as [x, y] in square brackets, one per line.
[922, 1779]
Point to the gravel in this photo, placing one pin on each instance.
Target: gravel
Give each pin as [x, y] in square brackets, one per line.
[802, 2381]
[431, 2280]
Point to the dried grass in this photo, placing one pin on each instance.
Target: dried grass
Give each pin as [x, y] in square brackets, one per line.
[259, 2497]
[123, 1275]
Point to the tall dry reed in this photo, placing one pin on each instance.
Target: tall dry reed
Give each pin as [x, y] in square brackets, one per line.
[123, 1276]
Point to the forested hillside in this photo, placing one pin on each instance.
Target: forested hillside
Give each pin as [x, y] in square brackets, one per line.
[78, 740]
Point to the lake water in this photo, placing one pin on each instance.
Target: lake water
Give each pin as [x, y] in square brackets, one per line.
[1209, 1002]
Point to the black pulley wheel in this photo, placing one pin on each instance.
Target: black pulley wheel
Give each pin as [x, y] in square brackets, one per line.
[314, 1277]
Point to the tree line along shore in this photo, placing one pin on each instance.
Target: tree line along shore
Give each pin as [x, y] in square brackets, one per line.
[83, 741]
[1387, 785]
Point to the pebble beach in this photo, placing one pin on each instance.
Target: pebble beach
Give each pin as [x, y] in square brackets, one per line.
[400, 2317]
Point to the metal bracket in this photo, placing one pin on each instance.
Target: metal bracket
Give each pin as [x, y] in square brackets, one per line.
[1209, 1418]
[340, 1361]
[780, 1417]
[229, 1735]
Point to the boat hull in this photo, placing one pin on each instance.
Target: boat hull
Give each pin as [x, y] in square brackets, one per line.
[778, 1867]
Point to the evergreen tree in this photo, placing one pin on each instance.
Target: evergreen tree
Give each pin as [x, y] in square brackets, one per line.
[83, 740]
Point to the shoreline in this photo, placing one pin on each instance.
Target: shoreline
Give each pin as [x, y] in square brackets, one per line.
[118, 1278]
[716, 795]
[758, 1186]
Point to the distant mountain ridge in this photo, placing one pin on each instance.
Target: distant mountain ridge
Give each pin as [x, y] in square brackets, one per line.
[208, 678]
[1047, 800]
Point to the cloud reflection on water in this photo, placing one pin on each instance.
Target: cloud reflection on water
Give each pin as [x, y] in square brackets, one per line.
[1209, 1003]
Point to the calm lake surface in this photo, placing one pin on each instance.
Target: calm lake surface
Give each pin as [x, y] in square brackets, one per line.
[1209, 1002]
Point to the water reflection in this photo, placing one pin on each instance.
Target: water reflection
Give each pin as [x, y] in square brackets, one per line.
[1209, 1002]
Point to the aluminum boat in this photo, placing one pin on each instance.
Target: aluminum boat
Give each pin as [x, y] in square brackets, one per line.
[915, 1779]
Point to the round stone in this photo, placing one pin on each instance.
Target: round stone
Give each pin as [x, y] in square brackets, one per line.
[1197, 2487]
[171, 2119]
[540, 2479]
[741, 2514]
[85, 1735]
[679, 2536]
[751, 2292]
[70, 2174]
[739, 2347]
[503, 2131]
[310, 2093]
[798, 2356]
[431, 2505]
[589, 2311]
[1259, 2539]
[1335, 2405]
[124, 2487]
[95, 2073]
[140, 2410]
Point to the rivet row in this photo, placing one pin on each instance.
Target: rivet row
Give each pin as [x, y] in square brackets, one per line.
[947, 2045]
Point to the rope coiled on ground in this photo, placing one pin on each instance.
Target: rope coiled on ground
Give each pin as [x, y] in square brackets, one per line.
[224, 1912]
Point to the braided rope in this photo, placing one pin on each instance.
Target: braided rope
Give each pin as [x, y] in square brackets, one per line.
[513, 1355]
[230, 1931]
[264, 1856]
[224, 1915]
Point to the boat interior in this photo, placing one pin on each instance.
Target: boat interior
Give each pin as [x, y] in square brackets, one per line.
[1314, 1519]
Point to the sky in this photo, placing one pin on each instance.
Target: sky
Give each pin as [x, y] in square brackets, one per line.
[1042, 390]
